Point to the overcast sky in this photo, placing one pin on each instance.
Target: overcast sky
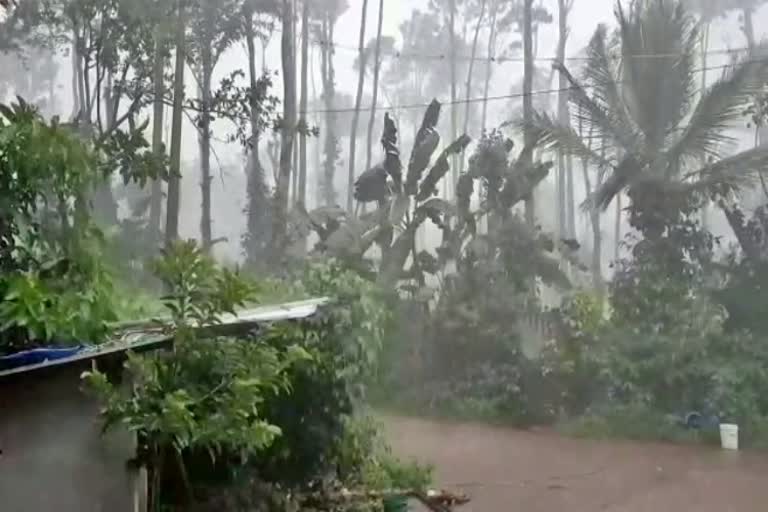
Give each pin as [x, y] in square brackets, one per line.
[586, 16]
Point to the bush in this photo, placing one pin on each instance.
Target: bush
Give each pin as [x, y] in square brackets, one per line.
[345, 343]
[57, 295]
[205, 395]
[359, 322]
[53, 286]
[631, 421]
[638, 375]
[365, 459]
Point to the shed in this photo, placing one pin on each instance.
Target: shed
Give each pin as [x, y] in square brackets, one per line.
[53, 454]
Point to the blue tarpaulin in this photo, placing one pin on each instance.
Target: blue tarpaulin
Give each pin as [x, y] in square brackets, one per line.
[36, 356]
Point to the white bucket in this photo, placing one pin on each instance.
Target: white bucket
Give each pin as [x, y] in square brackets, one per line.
[729, 436]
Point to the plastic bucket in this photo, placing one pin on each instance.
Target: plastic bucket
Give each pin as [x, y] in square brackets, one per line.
[729, 436]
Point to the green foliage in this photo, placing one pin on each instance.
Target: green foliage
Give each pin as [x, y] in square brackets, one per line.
[663, 368]
[470, 335]
[54, 286]
[40, 308]
[633, 421]
[365, 459]
[570, 360]
[205, 394]
[43, 167]
[199, 290]
[360, 318]
[345, 341]
[654, 149]
[404, 204]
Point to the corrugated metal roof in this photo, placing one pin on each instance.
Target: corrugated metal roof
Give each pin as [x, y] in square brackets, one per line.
[287, 311]
[148, 338]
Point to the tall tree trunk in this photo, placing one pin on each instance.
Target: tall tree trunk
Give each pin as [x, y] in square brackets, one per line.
[174, 182]
[375, 100]
[528, 99]
[295, 169]
[75, 90]
[470, 73]
[82, 102]
[158, 79]
[257, 206]
[491, 54]
[597, 249]
[570, 196]
[617, 229]
[324, 49]
[303, 104]
[563, 118]
[749, 27]
[594, 216]
[358, 100]
[280, 217]
[295, 158]
[454, 106]
[329, 95]
[704, 50]
[205, 147]
[318, 157]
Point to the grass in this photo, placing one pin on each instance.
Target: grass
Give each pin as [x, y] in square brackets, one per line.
[632, 423]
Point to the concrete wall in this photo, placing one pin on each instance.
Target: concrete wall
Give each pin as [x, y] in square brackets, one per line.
[54, 457]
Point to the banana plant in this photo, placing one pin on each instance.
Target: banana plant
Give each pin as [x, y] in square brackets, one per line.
[507, 247]
[405, 200]
[409, 202]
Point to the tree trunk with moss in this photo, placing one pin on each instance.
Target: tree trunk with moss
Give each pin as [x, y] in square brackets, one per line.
[174, 182]
[288, 129]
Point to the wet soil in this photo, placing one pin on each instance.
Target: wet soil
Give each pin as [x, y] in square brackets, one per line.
[507, 470]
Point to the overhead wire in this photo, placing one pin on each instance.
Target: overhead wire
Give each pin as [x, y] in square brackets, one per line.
[480, 99]
[505, 59]
[320, 42]
[499, 97]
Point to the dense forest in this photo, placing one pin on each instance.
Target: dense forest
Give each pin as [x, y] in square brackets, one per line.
[574, 238]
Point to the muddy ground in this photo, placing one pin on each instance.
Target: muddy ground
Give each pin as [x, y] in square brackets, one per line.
[507, 470]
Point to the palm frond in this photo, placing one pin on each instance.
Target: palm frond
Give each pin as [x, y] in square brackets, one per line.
[601, 75]
[550, 134]
[623, 175]
[722, 105]
[597, 117]
[657, 91]
[737, 171]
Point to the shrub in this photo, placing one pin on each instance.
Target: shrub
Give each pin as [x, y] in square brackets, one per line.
[631, 421]
[53, 286]
[206, 395]
[366, 460]
[345, 341]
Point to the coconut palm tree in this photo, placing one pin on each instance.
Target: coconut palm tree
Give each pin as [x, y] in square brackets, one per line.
[650, 126]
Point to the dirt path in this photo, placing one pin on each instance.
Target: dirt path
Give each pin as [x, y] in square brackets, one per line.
[506, 470]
